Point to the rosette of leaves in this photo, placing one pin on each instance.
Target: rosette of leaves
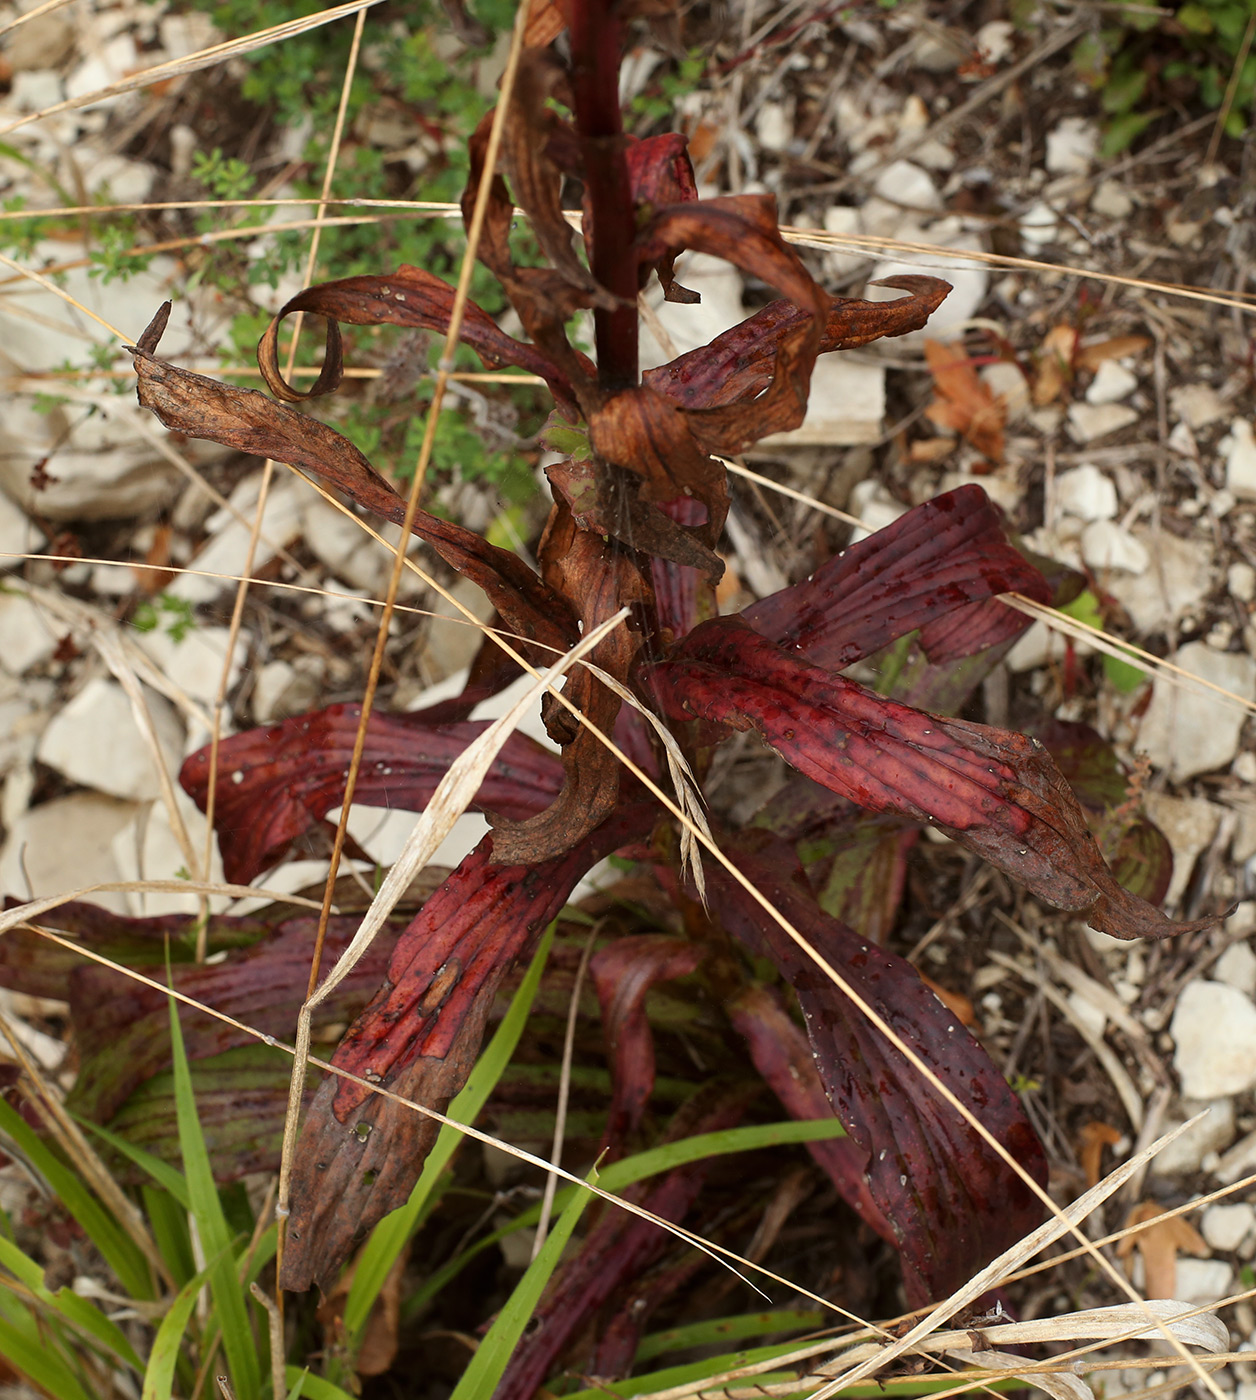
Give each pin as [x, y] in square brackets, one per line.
[639, 504]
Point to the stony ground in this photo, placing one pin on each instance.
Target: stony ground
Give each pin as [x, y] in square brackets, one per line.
[1112, 420]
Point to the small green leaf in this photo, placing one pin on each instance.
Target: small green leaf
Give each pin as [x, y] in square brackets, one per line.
[494, 1352]
[1122, 676]
[1195, 18]
[215, 1235]
[164, 1357]
[1123, 90]
[1122, 132]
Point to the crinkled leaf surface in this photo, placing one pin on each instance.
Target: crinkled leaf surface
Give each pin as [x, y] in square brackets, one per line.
[950, 1200]
[275, 784]
[31, 963]
[360, 1154]
[251, 422]
[603, 579]
[1141, 856]
[410, 296]
[241, 1099]
[784, 1057]
[738, 365]
[122, 1026]
[917, 573]
[996, 792]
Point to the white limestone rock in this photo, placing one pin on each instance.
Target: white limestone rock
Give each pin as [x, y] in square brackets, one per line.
[64, 845]
[847, 406]
[1086, 493]
[1107, 546]
[196, 661]
[1112, 201]
[1196, 405]
[1112, 383]
[1202, 1280]
[18, 534]
[970, 281]
[226, 552]
[1039, 225]
[27, 635]
[148, 849]
[720, 286]
[1007, 381]
[774, 126]
[1189, 824]
[1177, 582]
[1071, 146]
[1227, 1226]
[1236, 967]
[1240, 579]
[1238, 451]
[1089, 421]
[903, 183]
[74, 743]
[1187, 732]
[1213, 1133]
[1214, 1034]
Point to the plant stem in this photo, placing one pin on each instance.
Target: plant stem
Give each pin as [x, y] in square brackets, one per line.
[596, 42]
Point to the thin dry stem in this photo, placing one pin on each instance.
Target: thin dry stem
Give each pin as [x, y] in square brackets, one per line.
[564, 1090]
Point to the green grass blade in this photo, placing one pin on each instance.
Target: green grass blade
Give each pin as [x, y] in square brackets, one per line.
[391, 1234]
[161, 1172]
[720, 1331]
[313, 1387]
[119, 1251]
[164, 1357]
[491, 1356]
[622, 1174]
[30, 1355]
[79, 1313]
[168, 1224]
[232, 1311]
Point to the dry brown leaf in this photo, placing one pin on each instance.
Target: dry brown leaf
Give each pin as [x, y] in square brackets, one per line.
[1095, 1136]
[545, 24]
[926, 450]
[1090, 357]
[1159, 1243]
[379, 1339]
[1055, 364]
[964, 404]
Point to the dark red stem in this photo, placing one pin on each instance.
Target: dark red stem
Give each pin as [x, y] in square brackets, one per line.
[596, 45]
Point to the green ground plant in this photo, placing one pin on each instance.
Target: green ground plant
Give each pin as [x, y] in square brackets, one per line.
[1145, 61]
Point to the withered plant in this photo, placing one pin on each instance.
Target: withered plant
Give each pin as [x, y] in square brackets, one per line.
[640, 500]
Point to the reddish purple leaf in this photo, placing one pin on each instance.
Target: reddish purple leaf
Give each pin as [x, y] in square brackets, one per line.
[783, 1056]
[738, 365]
[241, 1099]
[623, 973]
[683, 597]
[660, 172]
[996, 792]
[743, 230]
[122, 1027]
[410, 296]
[360, 1154]
[35, 965]
[251, 422]
[949, 1199]
[275, 784]
[919, 572]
